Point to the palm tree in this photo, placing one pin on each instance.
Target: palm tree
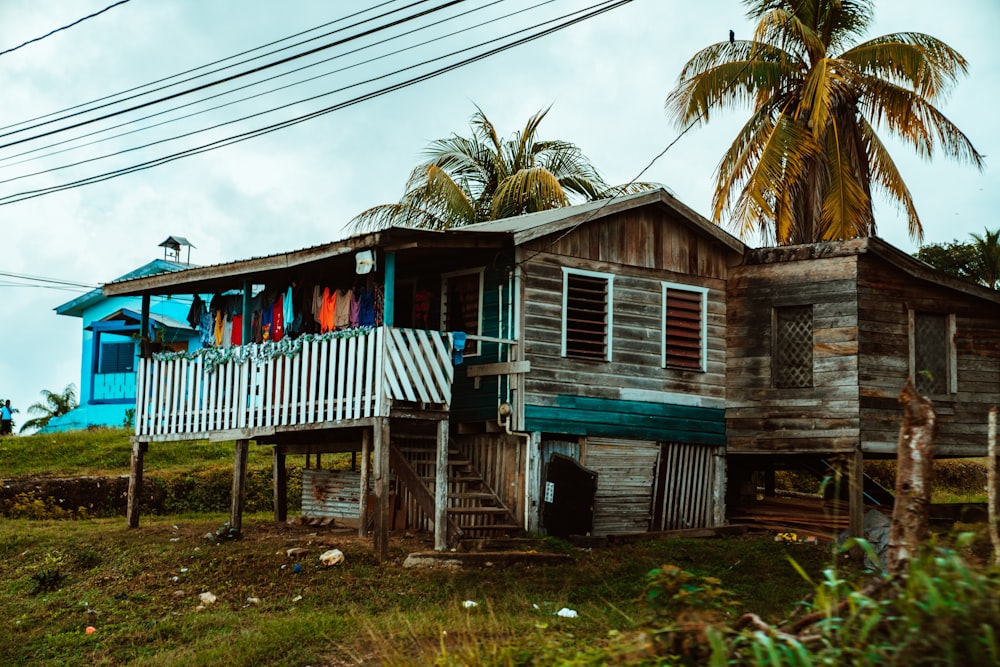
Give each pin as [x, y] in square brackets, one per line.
[804, 165]
[53, 406]
[987, 257]
[483, 177]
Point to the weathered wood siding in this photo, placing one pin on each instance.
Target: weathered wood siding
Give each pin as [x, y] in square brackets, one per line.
[625, 473]
[822, 418]
[886, 295]
[499, 458]
[631, 396]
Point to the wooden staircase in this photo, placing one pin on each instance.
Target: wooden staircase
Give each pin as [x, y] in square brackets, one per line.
[474, 509]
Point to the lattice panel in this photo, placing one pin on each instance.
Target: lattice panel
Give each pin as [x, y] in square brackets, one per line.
[930, 354]
[793, 349]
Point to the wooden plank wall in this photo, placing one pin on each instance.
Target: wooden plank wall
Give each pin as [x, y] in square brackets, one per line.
[500, 460]
[886, 294]
[625, 472]
[641, 249]
[824, 418]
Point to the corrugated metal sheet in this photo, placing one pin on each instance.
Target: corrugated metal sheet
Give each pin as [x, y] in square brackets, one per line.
[331, 494]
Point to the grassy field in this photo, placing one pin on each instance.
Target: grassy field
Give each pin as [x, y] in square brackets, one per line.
[90, 591]
[140, 592]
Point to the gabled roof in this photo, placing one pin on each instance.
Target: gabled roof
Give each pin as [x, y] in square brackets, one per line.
[876, 247]
[77, 306]
[525, 228]
[493, 234]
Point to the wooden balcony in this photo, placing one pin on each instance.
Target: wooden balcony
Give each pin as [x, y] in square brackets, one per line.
[324, 383]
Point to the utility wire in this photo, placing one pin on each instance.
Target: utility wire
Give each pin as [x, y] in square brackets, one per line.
[217, 82]
[194, 69]
[43, 279]
[274, 109]
[582, 15]
[265, 80]
[65, 27]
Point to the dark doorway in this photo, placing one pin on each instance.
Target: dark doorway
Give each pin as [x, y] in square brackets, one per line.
[568, 507]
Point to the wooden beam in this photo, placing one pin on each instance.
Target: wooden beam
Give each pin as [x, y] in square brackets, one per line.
[366, 471]
[505, 368]
[280, 477]
[135, 483]
[381, 441]
[441, 488]
[239, 486]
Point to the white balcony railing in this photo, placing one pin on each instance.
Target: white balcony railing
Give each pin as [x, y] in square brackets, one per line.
[325, 380]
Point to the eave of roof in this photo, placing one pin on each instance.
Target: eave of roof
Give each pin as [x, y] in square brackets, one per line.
[876, 247]
[76, 307]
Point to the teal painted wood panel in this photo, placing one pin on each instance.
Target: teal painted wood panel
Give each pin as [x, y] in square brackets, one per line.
[581, 415]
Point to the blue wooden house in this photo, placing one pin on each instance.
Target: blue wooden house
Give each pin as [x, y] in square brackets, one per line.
[110, 347]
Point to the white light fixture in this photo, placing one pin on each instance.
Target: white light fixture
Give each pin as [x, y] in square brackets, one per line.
[364, 262]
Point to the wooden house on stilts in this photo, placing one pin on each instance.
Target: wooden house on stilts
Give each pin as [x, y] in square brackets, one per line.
[583, 370]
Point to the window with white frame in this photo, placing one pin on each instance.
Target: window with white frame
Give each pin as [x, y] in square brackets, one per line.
[684, 327]
[792, 347]
[932, 352]
[462, 305]
[587, 310]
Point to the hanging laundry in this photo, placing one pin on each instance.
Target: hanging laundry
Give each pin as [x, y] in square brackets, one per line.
[355, 308]
[342, 310]
[236, 337]
[278, 316]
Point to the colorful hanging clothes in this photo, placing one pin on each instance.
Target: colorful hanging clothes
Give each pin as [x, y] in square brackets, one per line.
[278, 317]
[328, 311]
[342, 310]
[218, 328]
[355, 311]
[236, 338]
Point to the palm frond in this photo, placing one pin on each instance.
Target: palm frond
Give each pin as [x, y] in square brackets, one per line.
[886, 177]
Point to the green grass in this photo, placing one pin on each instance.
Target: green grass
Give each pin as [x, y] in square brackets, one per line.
[122, 583]
[139, 589]
[108, 452]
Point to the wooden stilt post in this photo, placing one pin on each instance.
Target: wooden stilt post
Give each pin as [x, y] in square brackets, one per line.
[280, 477]
[239, 486]
[135, 483]
[366, 471]
[381, 489]
[856, 494]
[441, 488]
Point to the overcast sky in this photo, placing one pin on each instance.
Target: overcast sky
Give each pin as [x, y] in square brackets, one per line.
[605, 78]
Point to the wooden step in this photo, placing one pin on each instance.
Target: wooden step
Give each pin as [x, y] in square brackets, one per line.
[477, 510]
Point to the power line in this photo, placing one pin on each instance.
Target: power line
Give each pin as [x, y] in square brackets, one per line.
[65, 27]
[217, 82]
[577, 17]
[195, 69]
[265, 80]
[51, 281]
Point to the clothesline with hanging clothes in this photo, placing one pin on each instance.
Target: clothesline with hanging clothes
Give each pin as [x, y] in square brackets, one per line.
[291, 310]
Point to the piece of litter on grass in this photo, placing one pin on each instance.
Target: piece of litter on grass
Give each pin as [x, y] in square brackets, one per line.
[207, 598]
[332, 557]
[468, 604]
[566, 613]
[90, 630]
[253, 600]
[296, 598]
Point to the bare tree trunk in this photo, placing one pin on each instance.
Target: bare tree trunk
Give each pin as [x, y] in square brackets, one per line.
[914, 458]
[992, 485]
